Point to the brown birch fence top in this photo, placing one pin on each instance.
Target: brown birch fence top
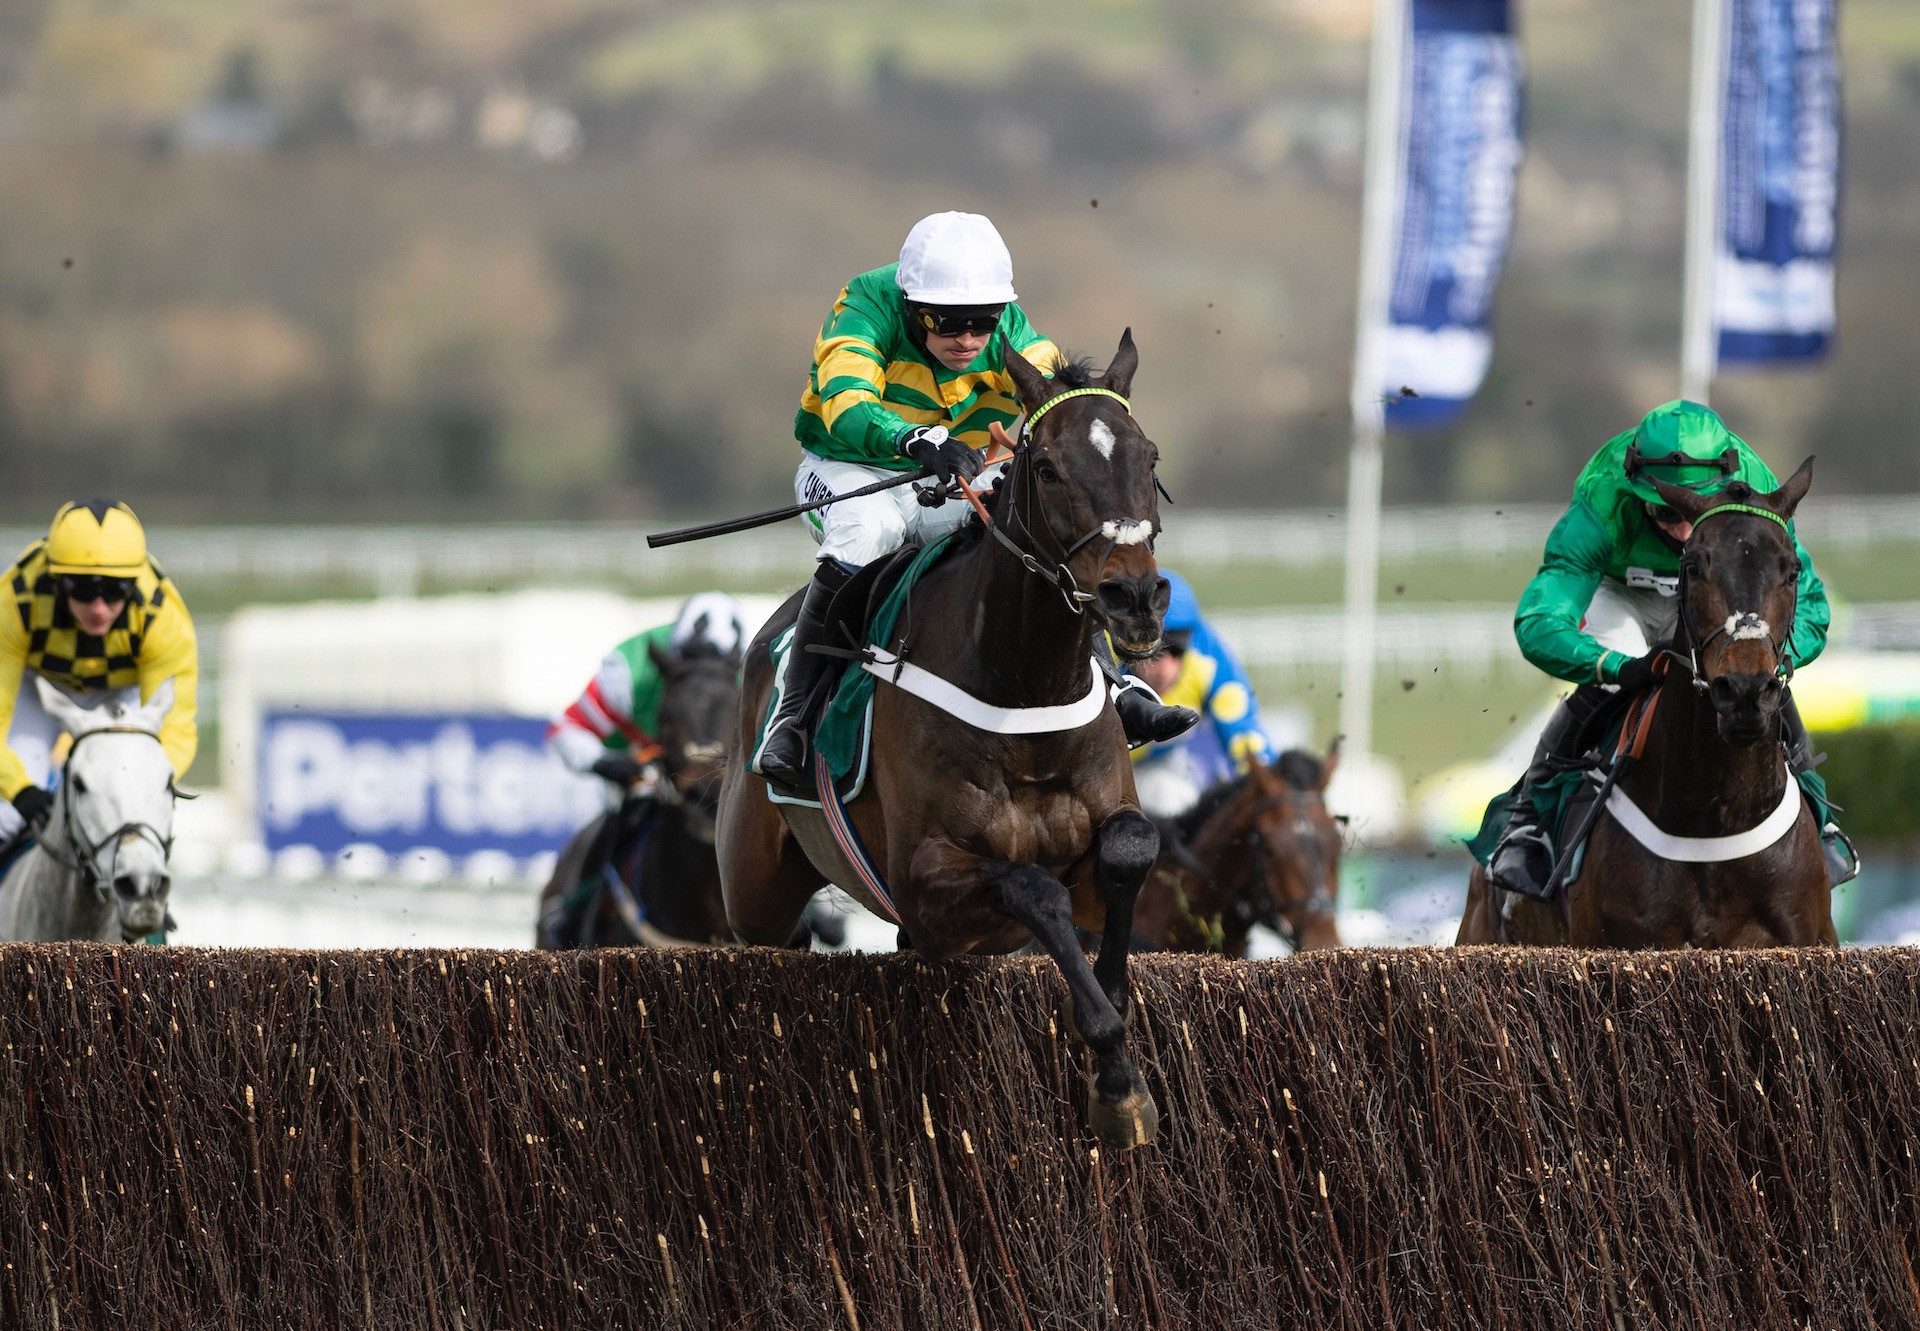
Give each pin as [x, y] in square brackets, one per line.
[500, 1141]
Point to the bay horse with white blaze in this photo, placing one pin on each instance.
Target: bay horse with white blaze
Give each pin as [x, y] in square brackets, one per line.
[1736, 858]
[987, 839]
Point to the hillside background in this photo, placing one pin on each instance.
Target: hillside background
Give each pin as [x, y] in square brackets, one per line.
[564, 258]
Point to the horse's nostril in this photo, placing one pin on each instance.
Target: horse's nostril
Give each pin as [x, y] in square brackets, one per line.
[125, 886]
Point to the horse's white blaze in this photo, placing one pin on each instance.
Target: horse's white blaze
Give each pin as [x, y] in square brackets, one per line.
[1102, 438]
[1748, 625]
[1137, 531]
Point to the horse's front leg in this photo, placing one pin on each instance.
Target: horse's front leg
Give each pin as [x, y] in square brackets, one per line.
[1120, 1109]
[1124, 849]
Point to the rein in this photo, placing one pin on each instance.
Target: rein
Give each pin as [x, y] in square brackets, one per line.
[85, 854]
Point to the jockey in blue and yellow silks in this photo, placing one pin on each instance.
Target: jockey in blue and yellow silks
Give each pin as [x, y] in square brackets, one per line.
[1197, 670]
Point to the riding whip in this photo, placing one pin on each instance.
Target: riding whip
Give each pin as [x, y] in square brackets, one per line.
[773, 515]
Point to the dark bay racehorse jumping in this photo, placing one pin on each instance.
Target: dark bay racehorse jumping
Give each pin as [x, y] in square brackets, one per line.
[674, 899]
[986, 839]
[1739, 863]
[1260, 848]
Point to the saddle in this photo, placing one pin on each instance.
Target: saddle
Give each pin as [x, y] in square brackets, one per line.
[868, 610]
[858, 602]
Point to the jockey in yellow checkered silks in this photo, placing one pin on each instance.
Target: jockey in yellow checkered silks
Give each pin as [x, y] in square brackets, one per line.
[90, 612]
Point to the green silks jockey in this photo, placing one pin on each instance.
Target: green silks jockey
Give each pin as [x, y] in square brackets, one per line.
[1605, 600]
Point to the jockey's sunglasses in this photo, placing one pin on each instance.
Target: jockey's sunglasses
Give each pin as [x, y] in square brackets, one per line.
[87, 587]
[952, 321]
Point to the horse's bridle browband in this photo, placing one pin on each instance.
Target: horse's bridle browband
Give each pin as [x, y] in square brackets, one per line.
[1012, 520]
[1034, 416]
[85, 854]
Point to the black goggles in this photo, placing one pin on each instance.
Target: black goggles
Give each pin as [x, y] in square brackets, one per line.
[1726, 464]
[953, 320]
[86, 587]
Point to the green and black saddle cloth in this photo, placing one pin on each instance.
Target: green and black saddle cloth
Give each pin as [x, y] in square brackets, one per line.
[1561, 802]
[869, 612]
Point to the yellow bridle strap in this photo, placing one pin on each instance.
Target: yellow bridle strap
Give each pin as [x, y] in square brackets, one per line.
[1766, 513]
[1057, 399]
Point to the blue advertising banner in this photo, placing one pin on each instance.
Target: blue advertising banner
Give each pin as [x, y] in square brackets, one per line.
[457, 783]
[1780, 182]
[1461, 127]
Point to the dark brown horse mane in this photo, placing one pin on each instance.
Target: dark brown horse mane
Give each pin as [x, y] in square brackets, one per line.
[1297, 768]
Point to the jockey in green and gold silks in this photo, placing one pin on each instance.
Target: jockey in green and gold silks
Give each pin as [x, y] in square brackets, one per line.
[1605, 600]
[909, 374]
[872, 382]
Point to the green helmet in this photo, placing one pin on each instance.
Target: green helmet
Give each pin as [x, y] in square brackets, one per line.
[1681, 443]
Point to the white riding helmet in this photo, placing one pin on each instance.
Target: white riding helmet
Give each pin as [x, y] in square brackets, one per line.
[713, 619]
[956, 259]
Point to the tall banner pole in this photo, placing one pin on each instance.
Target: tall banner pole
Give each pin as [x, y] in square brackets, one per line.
[1379, 211]
[1699, 339]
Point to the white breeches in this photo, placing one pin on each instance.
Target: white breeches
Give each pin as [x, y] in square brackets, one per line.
[1630, 620]
[859, 531]
[1168, 783]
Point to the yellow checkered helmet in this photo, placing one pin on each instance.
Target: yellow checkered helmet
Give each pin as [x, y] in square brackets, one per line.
[96, 536]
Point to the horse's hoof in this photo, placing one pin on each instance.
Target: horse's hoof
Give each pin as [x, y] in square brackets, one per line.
[1132, 1120]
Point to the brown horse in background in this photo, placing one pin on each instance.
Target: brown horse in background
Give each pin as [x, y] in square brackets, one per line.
[1260, 848]
[1712, 766]
[985, 840]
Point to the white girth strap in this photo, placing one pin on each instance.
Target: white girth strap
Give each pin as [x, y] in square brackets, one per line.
[955, 701]
[1706, 849]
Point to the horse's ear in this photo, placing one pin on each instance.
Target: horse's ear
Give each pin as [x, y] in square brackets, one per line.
[1033, 386]
[1683, 501]
[665, 662]
[1119, 375]
[1787, 498]
[153, 712]
[71, 716]
[1331, 763]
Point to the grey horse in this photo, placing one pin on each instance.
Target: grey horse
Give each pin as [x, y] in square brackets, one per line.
[99, 869]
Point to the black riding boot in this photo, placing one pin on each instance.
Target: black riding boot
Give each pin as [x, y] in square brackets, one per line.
[1843, 862]
[1523, 861]
[783, 758]
[1144, 718]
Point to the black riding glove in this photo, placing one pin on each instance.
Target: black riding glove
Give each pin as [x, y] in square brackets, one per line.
[939, 453]
[619, 768]
[1637, 673]
[34, 805]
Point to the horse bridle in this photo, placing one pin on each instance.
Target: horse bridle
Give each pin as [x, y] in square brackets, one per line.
[1782, 662]
[1013, 530]
[85, 854]
[1317, 902]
